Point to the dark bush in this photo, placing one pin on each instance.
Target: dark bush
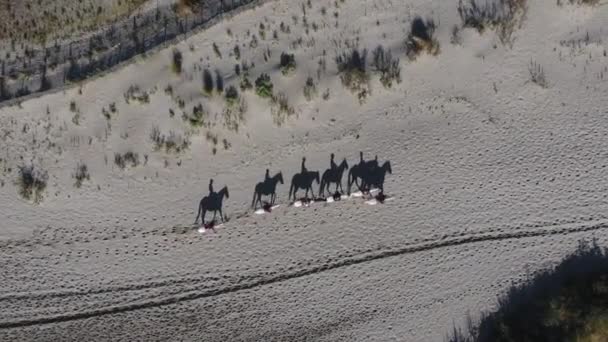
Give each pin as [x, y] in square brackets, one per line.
[207, 81]
[264, 86]
[421, 38]
[387, 65]
[565, 303]
[32, 182]
[287, 63]
[177, 61]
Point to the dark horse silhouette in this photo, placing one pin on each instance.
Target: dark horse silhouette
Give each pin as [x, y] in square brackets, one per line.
[213, 202]
[267, 187]
[375, 178]
[303, 181]
[333, 175]
[361, 171]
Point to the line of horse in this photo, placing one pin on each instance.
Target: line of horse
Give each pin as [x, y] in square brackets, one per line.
[365, 175]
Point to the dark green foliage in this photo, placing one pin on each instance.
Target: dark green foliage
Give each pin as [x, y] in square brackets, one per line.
[264, 86]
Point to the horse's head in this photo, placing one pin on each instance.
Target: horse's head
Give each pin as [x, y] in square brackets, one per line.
[279, 177]
[224, 192]
[316, 176]
[387, 167]
[344, 164]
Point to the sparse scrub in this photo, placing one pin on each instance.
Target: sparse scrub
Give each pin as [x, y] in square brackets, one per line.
[581, 2]
[216, 49]
[170, 143]
[234, 115]
[310, 89]
[130, 157]
[245, 84]
[177, 61]
[280, 108]
[387, 65]
[237, 52]
[421, 38]
[264, 86]
[32, 183]
[134, 93]
[537, 74]
[287, 63]
[502, 15]
[231, 95]
[81, 174]
[199, 116]
[352, 66]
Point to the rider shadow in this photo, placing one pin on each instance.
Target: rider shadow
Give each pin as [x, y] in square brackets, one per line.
[333, 175]
[212, 202]
[303, 181]
[266, 188]
[367, 175]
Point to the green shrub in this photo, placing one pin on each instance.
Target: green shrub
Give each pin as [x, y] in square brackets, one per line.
[264, 86]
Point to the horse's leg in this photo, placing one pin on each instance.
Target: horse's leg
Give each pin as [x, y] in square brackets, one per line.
[214, 214]
[203, 217]
[221, 215]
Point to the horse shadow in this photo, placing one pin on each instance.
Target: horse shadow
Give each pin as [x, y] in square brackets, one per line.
[304, 181]
[368, 174]
[266, 188]
[212, 202]
[333, 176]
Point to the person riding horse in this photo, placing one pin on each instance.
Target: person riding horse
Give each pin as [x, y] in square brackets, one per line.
[266, 187]
[332, 163]
[303, 180]
[333, 175]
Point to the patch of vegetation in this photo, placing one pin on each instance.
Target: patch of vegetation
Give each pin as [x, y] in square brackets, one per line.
[310, 89]
[246, 84]
[134, 93]
[565, 303]
[237, 52]
[287, 63]
[421, 38]
[170, 143]
[280, 109]
[199, 116]
[387, 65]
[130, 157]
[501, 15]
[580, 2]
[216, 49]
[231, 95]
[234, 115]
[32, 183]
[352, 66]
[537, 74]
[81, 174]
[264, 86]
[177, 61]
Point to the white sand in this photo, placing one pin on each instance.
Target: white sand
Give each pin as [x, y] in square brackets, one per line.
[489, 186]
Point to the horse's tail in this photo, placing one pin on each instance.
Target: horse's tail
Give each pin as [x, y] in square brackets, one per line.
[291, 188]
[322, 186]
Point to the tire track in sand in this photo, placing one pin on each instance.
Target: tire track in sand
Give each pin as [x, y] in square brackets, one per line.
[446, 241]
